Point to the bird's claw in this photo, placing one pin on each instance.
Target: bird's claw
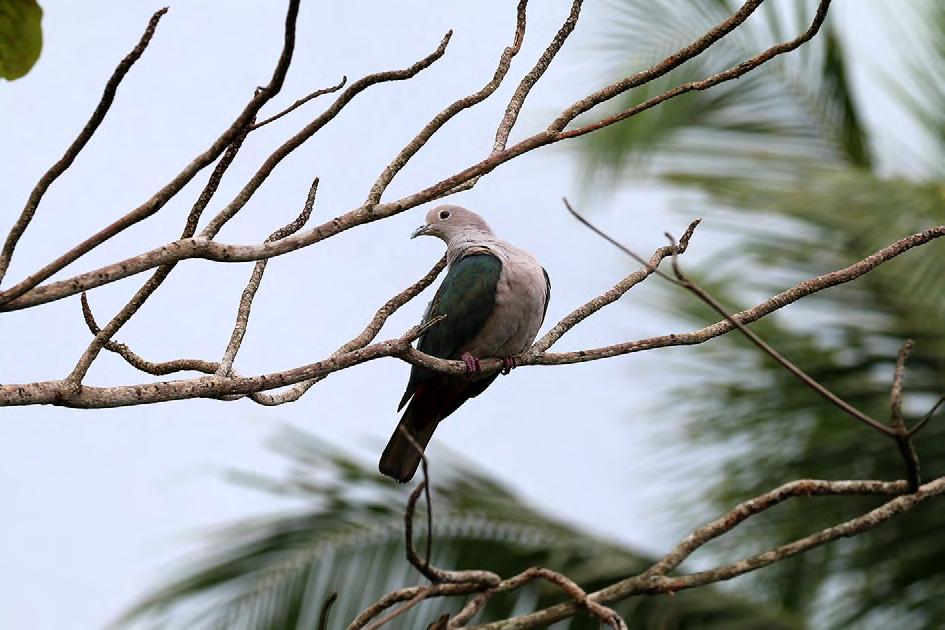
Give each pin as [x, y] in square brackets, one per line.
[509, 364]
[472, 364]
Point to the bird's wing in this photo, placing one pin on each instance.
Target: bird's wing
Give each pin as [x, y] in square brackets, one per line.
[467, 298]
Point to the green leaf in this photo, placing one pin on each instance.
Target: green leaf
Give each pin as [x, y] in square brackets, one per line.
[21, 37]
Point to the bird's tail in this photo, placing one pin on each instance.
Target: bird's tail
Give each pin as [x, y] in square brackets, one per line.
[402, 455]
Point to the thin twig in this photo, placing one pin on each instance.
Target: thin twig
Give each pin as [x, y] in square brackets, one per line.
[295, 391]
[743, 511]
[326, 611]
[246, 300]
[408, 514]
[584, 311]
[903, 440]
[434, 574]
[406, 594]
[927, 417]
[398, 163]
[895, 396]
[367, 336]
[301, 101]
[416, 599]
[517, 100]
[140, 363]
[530, 79]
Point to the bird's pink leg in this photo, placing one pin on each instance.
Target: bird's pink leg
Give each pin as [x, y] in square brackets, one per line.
[509, 364]
[472, 363]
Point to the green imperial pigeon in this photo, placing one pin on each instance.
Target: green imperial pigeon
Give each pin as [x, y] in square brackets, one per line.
[494, 297]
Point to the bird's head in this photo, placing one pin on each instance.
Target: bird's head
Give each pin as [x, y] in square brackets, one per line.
[445, 222]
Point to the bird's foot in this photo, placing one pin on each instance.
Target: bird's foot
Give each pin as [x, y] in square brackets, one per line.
[509, 364]
[472, 364]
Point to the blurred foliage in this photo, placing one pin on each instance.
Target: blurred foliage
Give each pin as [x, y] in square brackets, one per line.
[787, 144]
[275, 572]
[21, 37]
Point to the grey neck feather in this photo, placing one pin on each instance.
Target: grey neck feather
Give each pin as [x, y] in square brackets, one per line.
[460, 242]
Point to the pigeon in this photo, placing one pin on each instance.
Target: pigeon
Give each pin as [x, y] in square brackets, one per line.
[495, 297]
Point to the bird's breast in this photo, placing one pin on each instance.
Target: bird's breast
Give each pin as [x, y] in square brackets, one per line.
[519, 309]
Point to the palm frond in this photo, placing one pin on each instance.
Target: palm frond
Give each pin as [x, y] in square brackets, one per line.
[275, 572]
[795, 115]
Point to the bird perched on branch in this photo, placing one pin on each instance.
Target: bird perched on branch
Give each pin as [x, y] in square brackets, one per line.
[494, 297]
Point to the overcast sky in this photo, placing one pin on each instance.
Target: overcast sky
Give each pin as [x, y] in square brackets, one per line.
[100, 505]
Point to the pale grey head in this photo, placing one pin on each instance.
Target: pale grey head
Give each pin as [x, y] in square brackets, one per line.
[445, 222]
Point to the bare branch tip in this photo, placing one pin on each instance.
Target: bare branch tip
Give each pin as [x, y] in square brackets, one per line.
[418, 330]
[443, 43]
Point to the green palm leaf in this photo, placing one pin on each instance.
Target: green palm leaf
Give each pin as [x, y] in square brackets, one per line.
[795, 115]
[275, 572]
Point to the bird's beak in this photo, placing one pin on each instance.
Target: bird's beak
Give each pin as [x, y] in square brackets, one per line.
[420, 231]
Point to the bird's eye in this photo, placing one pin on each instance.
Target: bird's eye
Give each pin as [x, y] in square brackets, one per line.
[444, 215]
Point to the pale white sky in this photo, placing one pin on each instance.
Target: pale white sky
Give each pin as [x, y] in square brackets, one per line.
[100, 505]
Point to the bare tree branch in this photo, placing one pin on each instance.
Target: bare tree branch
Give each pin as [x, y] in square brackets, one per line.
[609, 297]
[293, 143]
[103, 336]
[300, 102]
[221, 381]
[54, 392]
[927, 417]
[160, 198]
[139, 362]
[296, 391]
[246, 300]
[655, 580]
[795, 293]
[408, 593]
[530, 79]
[416, 599]
[897, 431]
[515, 104]
[57, 169]
[652, 583]
[721, 77]
[367, 336]
[203, 248]
[575, 592]
[654, 72]
[505, 61]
